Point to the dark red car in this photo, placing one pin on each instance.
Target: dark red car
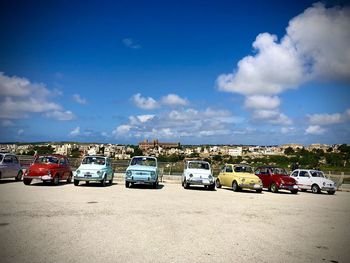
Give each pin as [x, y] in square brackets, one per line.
[275, 178]
[49, 168]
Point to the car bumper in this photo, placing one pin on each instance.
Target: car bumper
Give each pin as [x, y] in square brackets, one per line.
[87, 178]
[288, 187]
[41, 177]
[200, 181]
[251, 186]
[327, 188]
[141, 181]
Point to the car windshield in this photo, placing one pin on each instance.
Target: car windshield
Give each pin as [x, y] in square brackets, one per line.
[145, 161]
[94, 160]
[317, 174]
[243, 169]
[278, 171]
[46, 159]
[198, 165]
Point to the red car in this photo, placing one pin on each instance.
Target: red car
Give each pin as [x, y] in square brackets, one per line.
[275, 178]
[49, 168]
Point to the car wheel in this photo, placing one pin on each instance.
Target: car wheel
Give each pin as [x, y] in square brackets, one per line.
[27, 181]
[274, 188]
[294, 192]
[315, 189]
[19, 176]
[259, 191]
[127, 184]
[186, 185]
[69, 179]
[155, 185]
[111, 181]
[235, 186]
[87, 182]
[331, 192]
[103, 181]
[217, 183]
[56, 179]
[212, 187]
[76, 182]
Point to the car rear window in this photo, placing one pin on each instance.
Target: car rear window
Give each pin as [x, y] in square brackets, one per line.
[94, 160]
[146, 161]
[198, 165]
[243, 169]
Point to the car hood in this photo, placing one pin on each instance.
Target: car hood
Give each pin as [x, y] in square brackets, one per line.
[322, 180]
[91, 167]
[141, 168]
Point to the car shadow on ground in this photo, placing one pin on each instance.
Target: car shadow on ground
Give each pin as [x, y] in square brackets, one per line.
[145, 186]
[48, 184]
[200, 188]
[243, 191]
[8, 181]
[95, 184]
[311, 193]
[281, 192]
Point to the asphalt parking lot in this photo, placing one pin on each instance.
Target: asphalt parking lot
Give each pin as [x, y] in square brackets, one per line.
[43, 223]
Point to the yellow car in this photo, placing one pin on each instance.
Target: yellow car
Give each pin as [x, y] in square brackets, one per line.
[239, 176]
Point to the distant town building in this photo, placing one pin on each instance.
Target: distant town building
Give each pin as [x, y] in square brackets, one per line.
[145, 145]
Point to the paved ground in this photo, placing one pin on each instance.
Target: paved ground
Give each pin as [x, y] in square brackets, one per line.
[40, 223]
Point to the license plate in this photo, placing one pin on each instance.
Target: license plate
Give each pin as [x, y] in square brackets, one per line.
[87, 175]
[205, 181]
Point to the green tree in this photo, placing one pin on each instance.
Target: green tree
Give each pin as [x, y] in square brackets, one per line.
[289, 151]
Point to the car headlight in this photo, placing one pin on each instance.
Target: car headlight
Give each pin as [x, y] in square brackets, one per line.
[191, 175]
[324, 183]
[210, 177]
[48, 172]
[282, 182]
[99, 172]
[243, 179]
[78, 171]
[153, 174]
[128, 173]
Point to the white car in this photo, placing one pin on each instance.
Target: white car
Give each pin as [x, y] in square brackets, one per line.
[313, 180]
[198, 173]
[10, 166]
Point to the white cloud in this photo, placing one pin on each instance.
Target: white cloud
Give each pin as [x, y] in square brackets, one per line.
[7, 123]
[60, 115]
[272, 116]
[75, 131]
[286, 130]
[315, 130]
[20, 132]
[179, 123]
[173, 99]
[325, 119]
[19, 98]
[348, 113]
[130, 43]
[144, 103]
[262, 102]
[78, 99]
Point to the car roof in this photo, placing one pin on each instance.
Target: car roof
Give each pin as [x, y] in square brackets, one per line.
[144, 156]
[54, 155]
[95, 155]
[235, 164]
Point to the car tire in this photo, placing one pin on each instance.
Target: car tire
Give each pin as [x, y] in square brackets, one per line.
[111, 181]
[274, 188]
[76, 182]
[104, 181]
[155, 186]
[212, 187]
[87, 182]
[186, 185]
[294, 192]
[331, 192]
[56, 180]
[19, 175]
[217, 183]
[27, 181]
[315, 189]
[69, 179]
[258, 191]
[127, 184]
[235, 186]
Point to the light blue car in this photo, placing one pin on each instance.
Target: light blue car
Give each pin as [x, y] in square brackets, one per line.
[94, 168]
[142, 170]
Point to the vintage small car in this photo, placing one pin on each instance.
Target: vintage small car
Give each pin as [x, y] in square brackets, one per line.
[275, 179]
[49, 168]
[10, 167]
[313, 180]
[142, 170]
[239, 176]
[94, 168]
[198, 172]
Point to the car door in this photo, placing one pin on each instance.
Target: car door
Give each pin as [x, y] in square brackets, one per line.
[265, 177]
[229, 175]
[16, 165]
[63, 168]
[223, 176]
[8, 171]
[304, 180]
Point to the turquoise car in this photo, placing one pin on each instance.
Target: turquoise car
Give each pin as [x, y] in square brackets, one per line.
[142, 170]
[94, 168]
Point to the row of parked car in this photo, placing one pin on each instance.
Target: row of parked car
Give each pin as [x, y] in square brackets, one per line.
[53, 168]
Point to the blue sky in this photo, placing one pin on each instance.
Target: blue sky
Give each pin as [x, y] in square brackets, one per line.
[221, 72]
